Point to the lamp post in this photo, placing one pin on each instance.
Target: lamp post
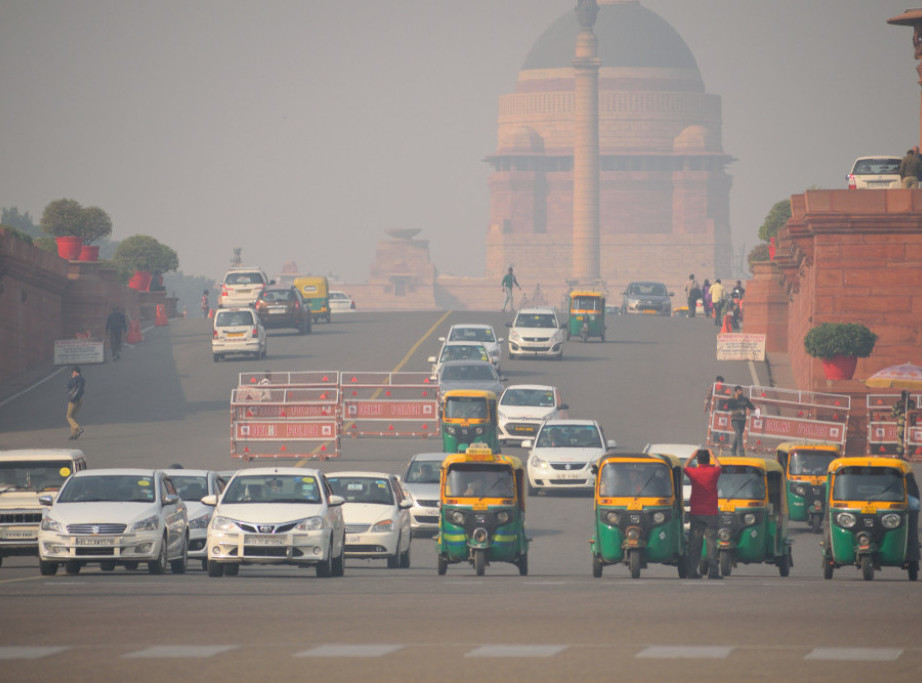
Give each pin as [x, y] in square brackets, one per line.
[913, 17]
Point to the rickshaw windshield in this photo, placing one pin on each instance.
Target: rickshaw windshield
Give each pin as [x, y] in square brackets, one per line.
[466, 407]
[741, 481]
[475, 480]
[635, 479]
[586, 303]
[810, 463]
[869, 483]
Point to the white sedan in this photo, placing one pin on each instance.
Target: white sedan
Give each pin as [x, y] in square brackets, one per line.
[340, 302]
[563, 453]
[115, 516]
[192, 486]
[377, 516]
[477, 333]
[523, 407]
[276, 515]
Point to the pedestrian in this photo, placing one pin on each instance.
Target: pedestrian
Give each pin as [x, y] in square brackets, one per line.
[739, 407]
[206, 308]
[706, 297]
[909, 169]
[716, 389]
[692, 294]
[75, 388]
[702, 515]
[718, 295]
[899, 411]
[507, 283]
[116, 326]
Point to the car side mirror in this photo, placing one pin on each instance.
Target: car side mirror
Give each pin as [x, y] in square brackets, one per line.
[594, 468]
[271, 282]
[508, 324]
[500, 340]
[527, 443]
[336, 501]
[671, 293]
[611, 443]
[211, 500]
[430, 359]
[442, 339]
[46, 500]
[405, 504]
[563, 406]
[171, 499]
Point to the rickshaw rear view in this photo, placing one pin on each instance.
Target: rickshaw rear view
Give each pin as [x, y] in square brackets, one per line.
[587, 315]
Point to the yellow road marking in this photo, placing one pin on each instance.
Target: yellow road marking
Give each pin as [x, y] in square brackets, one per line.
[25, 578]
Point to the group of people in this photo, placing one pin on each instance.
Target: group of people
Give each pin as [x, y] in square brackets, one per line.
[911, 168]
[716, 300]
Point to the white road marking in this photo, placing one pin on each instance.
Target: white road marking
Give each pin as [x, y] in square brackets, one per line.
[180, 651]
[516, 651]
[855, 654]
[27, 652]
[349, 651]
[684, 652]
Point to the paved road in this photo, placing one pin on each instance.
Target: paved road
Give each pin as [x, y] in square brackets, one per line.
[167, 402]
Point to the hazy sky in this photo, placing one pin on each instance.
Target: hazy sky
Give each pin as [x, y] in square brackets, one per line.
[305, 129]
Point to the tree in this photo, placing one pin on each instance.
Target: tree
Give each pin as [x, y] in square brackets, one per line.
[21, 221]
[776, 219]
[141, 252]
[95, 224]
[62, 217]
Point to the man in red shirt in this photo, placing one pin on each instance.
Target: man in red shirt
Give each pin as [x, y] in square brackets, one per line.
[703, 512]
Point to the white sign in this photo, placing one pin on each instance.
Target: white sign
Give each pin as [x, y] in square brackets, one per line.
[732, 346]
[79, 351]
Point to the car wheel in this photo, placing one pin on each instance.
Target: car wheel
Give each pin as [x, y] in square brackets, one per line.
[405, 558]
[48, 568]
[325, 568]
[339, 563]
[393, 562]
[158, 566]
[214, 569]
[72, 567]
[107, 566]
[204, 565]
[178, 566]
[217, 357]
[131, 566]
[231, 569]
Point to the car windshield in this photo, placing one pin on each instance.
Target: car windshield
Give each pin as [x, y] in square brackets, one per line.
[569, 436]
[528, 397]
[468, 372]
[276, 295]
[648, 289]
[586, 303]
[109, 488]
[272, 488]
[34, 476]
[233, 319]
[463, 352]
[473, 334]
[869, 483]
[479, 481]
[423, 472]
[370, 490]
[190, 488]
[810, 463]
[741, 481]
[244, 279]
[635, 479]
[877, 166]
[536, 320]
[466, 407]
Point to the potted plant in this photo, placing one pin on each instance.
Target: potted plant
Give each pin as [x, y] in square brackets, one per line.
[840, 345]
[95, 225]
[61, 219]
[146, 257]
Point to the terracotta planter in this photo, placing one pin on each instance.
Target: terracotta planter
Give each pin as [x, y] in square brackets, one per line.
[89, 252]
[69, 246]
[140, 280]
[840, 367]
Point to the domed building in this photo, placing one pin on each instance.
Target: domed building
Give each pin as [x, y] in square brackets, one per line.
[663, 187]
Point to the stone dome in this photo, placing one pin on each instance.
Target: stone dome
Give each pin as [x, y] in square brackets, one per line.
[522, 139]
[694, 139]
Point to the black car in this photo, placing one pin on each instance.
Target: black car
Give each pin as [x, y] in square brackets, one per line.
[283, 307]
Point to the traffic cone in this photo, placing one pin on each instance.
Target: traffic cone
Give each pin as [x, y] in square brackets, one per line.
[161, 320]
[728, 324]
[134, 332]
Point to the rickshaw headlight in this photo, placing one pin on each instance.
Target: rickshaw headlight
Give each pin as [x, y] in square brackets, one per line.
[890, 521]
[724, 535]
[478, 430]
[633, 533]
[612, 517]
[659, 517]
[800, 491]
[456, 517]
[846, 520]
[749, 519]
[502, 516]
[451, 429]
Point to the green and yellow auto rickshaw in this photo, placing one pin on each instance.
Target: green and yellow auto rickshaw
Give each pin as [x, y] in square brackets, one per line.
[871, 520]
[638, 513]
[468, 416]
[752, 518]
[316, 291]
[482, 510]
[805, 465]
[587, 315]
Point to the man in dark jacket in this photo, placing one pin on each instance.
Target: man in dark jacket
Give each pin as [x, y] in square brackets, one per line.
[74, 396]
[116, 326]
[739, 407]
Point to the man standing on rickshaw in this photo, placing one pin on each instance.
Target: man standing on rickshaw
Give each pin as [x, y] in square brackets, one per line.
[703, 512]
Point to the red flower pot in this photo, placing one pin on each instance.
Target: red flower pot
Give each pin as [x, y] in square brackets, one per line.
[140, 280]
[69, 246]
[840, 367]
[89, 252]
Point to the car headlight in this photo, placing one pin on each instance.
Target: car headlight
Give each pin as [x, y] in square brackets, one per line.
[49, 524]
[456, 517]
[659, 517]
[148, 524]
[749, 519]
[540, 463]
[200, 522]
[224, 524]
[501, 415]
[514, 335]
[309, 524]
[383, 527]
[502, 516]
[612, 517]
[846, 520]
[890, 521]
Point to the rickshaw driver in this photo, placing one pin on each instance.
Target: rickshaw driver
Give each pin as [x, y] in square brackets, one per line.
[703, 512]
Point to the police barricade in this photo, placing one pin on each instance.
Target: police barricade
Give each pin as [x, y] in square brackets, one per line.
[883, 435]
[319, 378]
[389, 404]
[782, 415]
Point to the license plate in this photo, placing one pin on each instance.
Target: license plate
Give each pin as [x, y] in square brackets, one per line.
[95, 541]
[353, 539]
[525, 429]
[570, 475]
[278, 309]
[266, 540]
[235, 335]
[19, 533]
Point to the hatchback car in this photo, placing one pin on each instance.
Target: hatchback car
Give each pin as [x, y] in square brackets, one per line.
[536, 332]
[647, 297]
[238, 330]
[114, 516]
[522, 409]
[377, 516]
[283, 307]
[562, 455]
[422, 483]
[469, 374]
[874, 173]
[477, 334]
[458, 351]
[340, 302]
[241, 285]
[276, 515]
[192, 486]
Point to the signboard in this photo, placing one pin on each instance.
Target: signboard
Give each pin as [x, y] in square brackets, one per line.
[79, 351]
[794, 428]
[733, 346]
[390, 410]
[284, 431]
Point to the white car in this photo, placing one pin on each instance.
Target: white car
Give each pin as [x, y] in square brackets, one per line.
[277, 515]
[241, 286]
[875, 173]
[422, 483]
[377, 516]
[340, 302]
[238, 330]
[522, 409]
[458, 351]
[536, 332]
[192, 486]
[476, 333]
[563, 453]
[114, 516]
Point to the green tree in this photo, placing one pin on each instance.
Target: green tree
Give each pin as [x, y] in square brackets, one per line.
[62, 217]
[21, 221]
[142, 252]
[95, 224]
[775, 220]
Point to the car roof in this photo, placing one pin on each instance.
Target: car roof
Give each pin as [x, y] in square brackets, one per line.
[176, 472]
[881, 156]
[563, 421]
[646, 282]
[479, 326]
[278, 470]
[450, 363]
[429, 457]
[118, 470]
[236, 308]
[529, 311]
[376, 475]
[538, 387]
[39, 454]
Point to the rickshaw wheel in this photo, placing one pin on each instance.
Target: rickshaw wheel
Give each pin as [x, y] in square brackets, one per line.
[816, 524]
[480, 562]
[634, 561]
[913, 570]
[683, 568]
[443, 566]
[603, 336]
[724, 562]
[597, 566]
[827, 569]
[523, 565]
[867, 567]
[784, 566]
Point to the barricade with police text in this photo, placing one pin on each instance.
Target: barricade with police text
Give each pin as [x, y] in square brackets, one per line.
[389, 404]
[883, 435]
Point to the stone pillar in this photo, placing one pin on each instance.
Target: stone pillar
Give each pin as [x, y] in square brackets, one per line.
[766, 306]
[913, 17]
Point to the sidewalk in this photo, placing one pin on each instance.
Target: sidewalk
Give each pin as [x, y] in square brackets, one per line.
[779, 370]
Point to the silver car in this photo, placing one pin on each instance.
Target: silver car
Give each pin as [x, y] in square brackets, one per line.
[192, 486]
[647, 297]
[479, 375]
[422, 483]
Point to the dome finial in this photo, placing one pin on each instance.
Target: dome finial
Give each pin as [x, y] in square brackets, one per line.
[586, 13]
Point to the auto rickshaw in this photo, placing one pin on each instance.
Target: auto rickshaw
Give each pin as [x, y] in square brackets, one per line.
[316, 290]
[752, 516]
[468, 416]
[805, 465]
[482, 510]
[869, 521]
[587, 315]
[638, 513]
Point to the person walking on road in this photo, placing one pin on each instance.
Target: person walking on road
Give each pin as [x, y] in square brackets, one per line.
[508, 282]
[116, 326]
[692, 294]
[75, 388]
[703, 512]
[206, 308]
[718, 296]
[739, 407]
